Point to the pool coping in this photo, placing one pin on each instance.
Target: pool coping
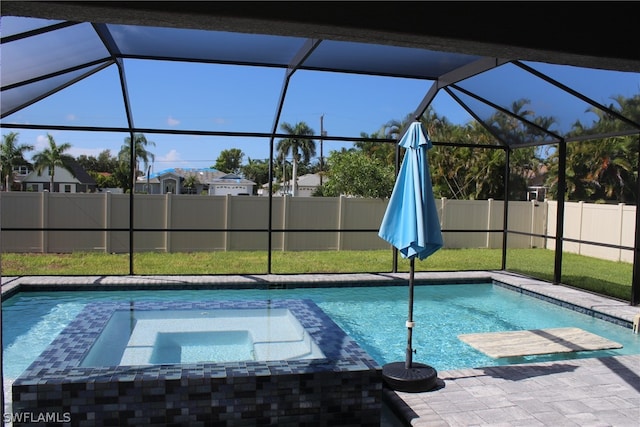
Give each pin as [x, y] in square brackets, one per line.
[620, 312]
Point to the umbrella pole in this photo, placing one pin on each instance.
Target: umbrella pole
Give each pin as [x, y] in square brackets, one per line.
[409, 355]
[409, 376]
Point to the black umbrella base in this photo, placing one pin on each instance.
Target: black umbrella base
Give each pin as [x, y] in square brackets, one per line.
[419, 377]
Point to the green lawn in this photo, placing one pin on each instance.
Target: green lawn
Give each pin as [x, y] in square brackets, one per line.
[596, 275]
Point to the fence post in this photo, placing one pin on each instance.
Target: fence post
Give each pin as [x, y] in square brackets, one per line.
[44, 224]
[532, 228]
[545, 223]
[227, 221]
[285, 226]
[107, 222]
[580, 224]
[620, 228]
[167, 221]
[341, 214]
[489, 213]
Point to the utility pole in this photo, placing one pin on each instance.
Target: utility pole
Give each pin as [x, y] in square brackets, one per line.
[322, 134]
[284, 175]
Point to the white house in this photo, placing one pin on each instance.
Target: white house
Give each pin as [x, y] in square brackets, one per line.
[307, 185]
[231, 184]
[205, 180]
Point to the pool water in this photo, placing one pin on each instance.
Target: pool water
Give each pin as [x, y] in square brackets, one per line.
[190, 347]
[373, 316]
[135, 337]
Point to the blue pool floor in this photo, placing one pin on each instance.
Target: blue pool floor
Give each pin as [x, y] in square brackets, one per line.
[591, 391]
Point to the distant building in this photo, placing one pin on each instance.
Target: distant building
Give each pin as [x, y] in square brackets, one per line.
[537, 193]
[231, 184]
[205, 181]
[307, 185]
[64, 181]
[536, 189]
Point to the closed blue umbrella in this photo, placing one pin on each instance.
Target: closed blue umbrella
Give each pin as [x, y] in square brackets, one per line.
[411, 224]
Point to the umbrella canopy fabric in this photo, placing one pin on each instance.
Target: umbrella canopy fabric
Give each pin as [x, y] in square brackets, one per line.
[411, 222]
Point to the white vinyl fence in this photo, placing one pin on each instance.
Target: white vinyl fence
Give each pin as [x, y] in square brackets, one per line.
[607, 224]
[223, 223]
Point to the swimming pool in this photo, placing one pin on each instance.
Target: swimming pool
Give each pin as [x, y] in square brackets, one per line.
[373, 316]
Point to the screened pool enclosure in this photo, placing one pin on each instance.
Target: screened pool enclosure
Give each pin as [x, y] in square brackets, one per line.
[211, 80]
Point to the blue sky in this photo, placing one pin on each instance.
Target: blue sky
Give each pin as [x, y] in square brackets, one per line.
[216, 98]
[188, 96]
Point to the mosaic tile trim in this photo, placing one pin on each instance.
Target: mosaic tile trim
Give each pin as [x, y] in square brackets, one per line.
[345, 388]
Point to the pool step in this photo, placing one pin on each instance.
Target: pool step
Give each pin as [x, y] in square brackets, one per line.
[276, 336]
[304, 348]
[136, 356]
[263, 351]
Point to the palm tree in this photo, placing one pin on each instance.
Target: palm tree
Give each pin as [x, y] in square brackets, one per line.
[602, 169]
[11, 154]
[257, 171]
[190, 183]
[141, 154]
[52, 157]
[300, 148]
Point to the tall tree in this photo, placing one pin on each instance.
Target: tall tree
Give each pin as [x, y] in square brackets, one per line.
[603, 169]
[51, 157]
[478, 173]
[103, 163]
[383, 151]
[229, 161]
[299, 145]
[355, 173]
[12, 154]
[141, 153]
[257, 171]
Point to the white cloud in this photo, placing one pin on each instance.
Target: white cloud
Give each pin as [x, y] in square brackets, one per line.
[219, 120]
[171, 156]
[42, 142]
[71, 117]
[172, 122]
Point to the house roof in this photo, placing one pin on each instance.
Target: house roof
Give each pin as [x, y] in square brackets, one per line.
[231, 178]
[185, 171]
[80, 173]
[203, 175]
[309, 180]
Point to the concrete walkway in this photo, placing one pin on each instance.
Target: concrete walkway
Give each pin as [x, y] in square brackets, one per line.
[578, 392]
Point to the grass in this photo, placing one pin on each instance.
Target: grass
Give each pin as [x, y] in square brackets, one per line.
[596, 275]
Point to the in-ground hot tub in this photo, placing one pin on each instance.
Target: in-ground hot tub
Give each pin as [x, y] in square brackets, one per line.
[152, 337]
[228, 362]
